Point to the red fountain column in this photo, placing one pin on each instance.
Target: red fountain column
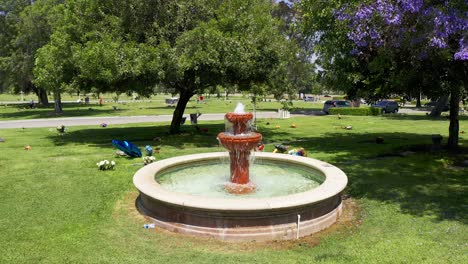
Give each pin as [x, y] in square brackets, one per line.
[239, 145]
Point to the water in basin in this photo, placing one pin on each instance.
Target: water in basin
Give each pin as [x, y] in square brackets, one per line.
[271, 179]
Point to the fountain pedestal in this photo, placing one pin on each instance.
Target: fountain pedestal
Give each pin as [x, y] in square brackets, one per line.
[239, 143]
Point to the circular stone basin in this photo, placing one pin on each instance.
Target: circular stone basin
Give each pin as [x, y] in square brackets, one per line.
[239, 217]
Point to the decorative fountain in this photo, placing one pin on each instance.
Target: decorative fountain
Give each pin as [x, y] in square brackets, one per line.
[239, 140]
[279, 197]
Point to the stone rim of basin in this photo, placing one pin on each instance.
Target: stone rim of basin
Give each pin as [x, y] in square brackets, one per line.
[334, 183]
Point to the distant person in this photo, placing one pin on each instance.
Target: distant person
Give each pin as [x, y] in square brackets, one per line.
[31, 104]
[101, 101]
[86, 100]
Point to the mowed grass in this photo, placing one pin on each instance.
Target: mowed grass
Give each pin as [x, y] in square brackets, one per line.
[56, 207]
[155, 106]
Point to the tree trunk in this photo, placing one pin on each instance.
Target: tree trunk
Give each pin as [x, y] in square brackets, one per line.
[439, 107]
[179, 111]
[42, 95]
[454, 118]
[418, 101]
[57, 103]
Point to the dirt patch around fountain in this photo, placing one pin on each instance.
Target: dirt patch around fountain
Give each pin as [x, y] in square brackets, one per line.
[126, 212]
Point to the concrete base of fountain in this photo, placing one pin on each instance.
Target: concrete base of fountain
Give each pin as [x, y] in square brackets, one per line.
[243, 219]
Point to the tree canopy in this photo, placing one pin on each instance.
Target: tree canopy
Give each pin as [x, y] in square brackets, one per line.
[183, 47]
[382, 47]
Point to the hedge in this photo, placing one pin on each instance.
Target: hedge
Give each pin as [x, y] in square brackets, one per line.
[357, 111]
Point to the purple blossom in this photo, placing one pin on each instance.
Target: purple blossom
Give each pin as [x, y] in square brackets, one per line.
[374, 34]
[364, 13]
[341, 15]
[393, 20]
[355, 52]
[462, 54]
[413, 22]
[412, 6]
[437, 42]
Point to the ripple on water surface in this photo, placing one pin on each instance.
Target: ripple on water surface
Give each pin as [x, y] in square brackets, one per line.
[208, 180]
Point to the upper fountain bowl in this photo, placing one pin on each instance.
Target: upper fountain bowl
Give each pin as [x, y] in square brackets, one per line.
[240, 122]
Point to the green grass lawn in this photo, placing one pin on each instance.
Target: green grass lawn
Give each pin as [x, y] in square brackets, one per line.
[56, 207]
[155, 106]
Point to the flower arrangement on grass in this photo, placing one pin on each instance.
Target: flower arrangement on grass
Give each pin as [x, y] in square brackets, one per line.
[61, 129]
[106, 165]
[149, 159]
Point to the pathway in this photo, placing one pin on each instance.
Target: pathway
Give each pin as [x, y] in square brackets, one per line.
[110, 120]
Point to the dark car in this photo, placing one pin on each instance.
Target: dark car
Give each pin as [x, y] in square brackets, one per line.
[434, 103]
[387, 106]
[334, 103]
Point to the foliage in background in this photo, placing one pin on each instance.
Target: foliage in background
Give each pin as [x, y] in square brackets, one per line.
[392, 37]
[183, 47]
[28, 26]
[362, 111]
[378, 48]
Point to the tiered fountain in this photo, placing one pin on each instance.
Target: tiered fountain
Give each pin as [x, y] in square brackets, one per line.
[239, 140]
[279, 197]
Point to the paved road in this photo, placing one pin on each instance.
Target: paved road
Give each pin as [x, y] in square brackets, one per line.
[413, 111]
[110, 120]
[113, 120]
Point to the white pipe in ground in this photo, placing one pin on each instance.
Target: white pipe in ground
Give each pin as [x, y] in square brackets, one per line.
[298, 225]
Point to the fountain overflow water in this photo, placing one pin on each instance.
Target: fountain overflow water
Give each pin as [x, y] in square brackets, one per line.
[239, 140]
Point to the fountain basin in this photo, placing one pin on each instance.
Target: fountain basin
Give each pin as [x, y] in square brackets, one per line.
[240, 143]
[242, 219]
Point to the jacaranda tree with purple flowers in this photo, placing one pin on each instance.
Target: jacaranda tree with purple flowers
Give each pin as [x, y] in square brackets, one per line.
[402, 45]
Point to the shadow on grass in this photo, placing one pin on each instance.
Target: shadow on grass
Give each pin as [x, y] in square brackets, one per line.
[69, 110]
[420, 184]
[143, 135]
[420, 117]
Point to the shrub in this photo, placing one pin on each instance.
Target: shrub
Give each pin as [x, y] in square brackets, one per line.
[357, 111]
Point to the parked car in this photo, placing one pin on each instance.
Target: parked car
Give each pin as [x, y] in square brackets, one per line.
[434, 103]
[387, 106]
[334, 103]
[308, 99]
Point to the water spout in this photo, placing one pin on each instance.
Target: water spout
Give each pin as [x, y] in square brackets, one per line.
[240, 108]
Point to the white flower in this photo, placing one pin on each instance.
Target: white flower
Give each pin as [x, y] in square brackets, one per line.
[105, 165]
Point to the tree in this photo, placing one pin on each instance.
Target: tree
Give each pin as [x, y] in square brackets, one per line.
[29, 29]
[242, 46]
[9, 15]
[390, 37]
[54, 69]
[183, 47]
